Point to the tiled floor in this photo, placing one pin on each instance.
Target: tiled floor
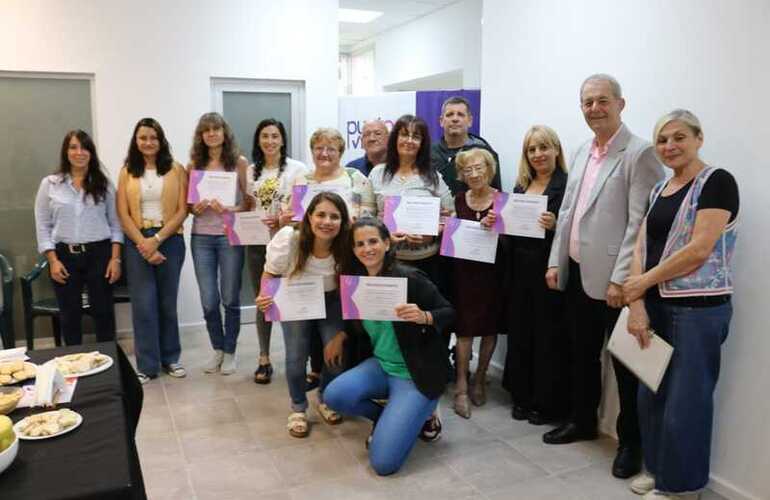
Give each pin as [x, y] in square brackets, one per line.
[216, 437]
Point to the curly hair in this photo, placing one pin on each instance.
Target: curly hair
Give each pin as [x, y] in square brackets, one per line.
[95, 182]
[199, 152]
[340, 245]
[135, 159]
[393, 160]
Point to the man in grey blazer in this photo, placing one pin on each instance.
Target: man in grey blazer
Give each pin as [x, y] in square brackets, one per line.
[605, 200]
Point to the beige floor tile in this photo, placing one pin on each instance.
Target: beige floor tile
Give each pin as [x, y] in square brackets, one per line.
[208, 413]
[271, 433]
[425, 478]
[219, 441]
[312, 462]
[596, 483]
[353, 485]
[160, 452]
[564, 457]
[167, 484]
[237, 475]
[539, 488]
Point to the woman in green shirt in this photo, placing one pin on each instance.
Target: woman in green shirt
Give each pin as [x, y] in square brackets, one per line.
[403, 362]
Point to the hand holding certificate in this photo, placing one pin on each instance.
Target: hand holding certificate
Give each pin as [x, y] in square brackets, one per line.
[212, 185]
[412, 214]
[467, 239]
[372, 297]
[518, 214]
[293, 299]
[246, 228]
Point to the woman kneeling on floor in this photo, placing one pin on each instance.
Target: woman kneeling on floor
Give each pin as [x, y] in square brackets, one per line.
[402, 362]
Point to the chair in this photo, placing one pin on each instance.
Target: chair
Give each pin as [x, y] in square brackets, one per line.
[7, 333]
[50, 307]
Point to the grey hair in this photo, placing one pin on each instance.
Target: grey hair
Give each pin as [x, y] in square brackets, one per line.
[679, 115]
[604, 77]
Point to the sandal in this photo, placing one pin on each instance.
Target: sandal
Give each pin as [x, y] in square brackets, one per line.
[263, 374]
[312, 380]
[297, 425]
[431, 429]
[175, 370]
[462, 405]
[479, 392]
[330, 416]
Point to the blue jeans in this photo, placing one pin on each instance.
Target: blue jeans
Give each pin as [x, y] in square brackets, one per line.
[676, 422]
[154, 291]
[397, 425]
[218, 268]
[297, 337]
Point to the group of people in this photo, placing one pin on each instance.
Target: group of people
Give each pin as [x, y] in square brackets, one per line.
[617, 233]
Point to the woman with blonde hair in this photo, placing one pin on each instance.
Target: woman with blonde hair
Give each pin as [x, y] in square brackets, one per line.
[218, 266]
[536, 358]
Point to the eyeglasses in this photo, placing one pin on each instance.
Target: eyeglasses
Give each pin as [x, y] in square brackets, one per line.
[404, 135]
[474, 169]
[319, 150]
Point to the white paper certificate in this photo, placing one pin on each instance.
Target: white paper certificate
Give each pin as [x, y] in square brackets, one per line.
[295, 299]
[517, 214]
[412, 214]
[210, 185]
[468, 239]
[371, 297]
[302, 195]
[246, 228]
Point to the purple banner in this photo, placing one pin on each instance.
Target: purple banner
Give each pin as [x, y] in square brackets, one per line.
[428, 107]
[447, 245]
[500, 201]
[389, 207]
[196, 176]
[269, 287]
[348, 286]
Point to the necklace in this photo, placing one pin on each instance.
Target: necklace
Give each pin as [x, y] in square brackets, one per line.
[484, 201]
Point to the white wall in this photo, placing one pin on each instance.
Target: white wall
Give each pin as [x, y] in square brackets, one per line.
[709, 56]
[156, 59]
[445, 41]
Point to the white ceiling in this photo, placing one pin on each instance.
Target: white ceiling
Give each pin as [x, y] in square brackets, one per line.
[396, 13]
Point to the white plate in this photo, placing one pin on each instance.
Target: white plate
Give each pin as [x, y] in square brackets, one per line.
[29, 438]
[20, 381]
[93, 371]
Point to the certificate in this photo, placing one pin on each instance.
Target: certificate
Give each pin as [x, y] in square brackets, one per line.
[371, 297]
[212, 185]
[246, 228]
[301, 196]
[412, 214]
[650, 364]
[517, 214]
[295, 299]
[468, 239]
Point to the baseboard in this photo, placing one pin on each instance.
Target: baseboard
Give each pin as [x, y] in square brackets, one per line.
[728, 489]
[124, 333]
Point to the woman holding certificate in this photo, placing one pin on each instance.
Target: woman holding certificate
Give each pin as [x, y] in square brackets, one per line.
[407, 173]
[402, 361]
[679, 286]
[327, 146]
[218, 265]
[268, 186]
[315, 249]
[536, 358]
[152, 205]
[477, 285]
[79, 233]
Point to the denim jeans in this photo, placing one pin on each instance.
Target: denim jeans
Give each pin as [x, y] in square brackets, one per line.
[218, 268]
[397, 425]
[154, 291]
[676, 422]
[297, 337]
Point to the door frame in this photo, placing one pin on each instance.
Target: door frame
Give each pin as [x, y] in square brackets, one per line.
[295, 88]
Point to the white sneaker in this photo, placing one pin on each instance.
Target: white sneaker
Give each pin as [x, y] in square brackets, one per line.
[214, 362]
[656, 495]
[642, 484]
[228, 364]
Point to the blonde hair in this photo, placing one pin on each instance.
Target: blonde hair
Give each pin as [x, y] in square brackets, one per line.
[548, 136]
[330, 134]
[678, 115]
[465, 157]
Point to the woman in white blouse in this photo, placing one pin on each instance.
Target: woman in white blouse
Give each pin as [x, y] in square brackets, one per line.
[315, 248]
[79, 233]
[268, 186]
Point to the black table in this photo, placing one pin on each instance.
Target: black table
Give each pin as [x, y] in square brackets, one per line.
[98, 460]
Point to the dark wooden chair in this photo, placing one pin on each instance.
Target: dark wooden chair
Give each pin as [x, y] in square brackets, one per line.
[7, 333]
[49, 307]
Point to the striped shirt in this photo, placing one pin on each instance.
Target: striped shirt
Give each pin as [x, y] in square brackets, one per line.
[63, 216]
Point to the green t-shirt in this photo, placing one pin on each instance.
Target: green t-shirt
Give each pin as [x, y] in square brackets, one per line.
[386, 348]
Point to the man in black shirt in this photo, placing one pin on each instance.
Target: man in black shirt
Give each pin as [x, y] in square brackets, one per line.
[456, 120]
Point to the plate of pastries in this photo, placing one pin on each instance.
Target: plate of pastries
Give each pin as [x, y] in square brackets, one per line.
[48, 424]
[15, 371]
[83, 364]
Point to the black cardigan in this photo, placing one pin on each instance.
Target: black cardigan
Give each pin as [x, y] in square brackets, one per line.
[424, 347]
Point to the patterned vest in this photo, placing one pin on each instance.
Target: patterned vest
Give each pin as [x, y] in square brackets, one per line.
[715, 276]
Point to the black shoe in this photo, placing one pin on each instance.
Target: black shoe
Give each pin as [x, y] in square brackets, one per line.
[569, 433]
[628, 462]
[519, 413]
[538, 418]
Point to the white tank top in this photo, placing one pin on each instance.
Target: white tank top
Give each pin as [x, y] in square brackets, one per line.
[152, 189]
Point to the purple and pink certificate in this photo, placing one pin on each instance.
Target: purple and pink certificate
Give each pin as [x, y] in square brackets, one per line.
[294, 299]
[372, 297]
[212, 185]
[468, 239]
[245, 228]
[412, 214]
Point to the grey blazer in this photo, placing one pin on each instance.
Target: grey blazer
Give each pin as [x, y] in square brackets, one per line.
[614, 212]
